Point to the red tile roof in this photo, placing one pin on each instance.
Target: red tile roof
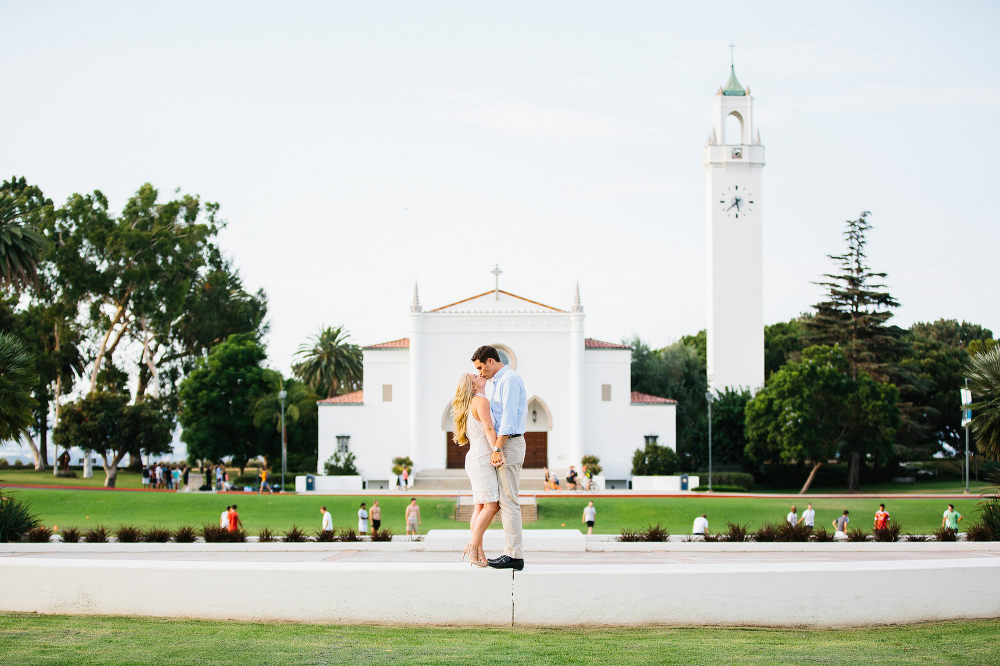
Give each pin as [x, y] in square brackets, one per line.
[646, 399]
[402, 343]
[591, 343]
[356, 398]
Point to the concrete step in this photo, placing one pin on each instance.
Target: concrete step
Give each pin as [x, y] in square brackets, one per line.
[532, 480]
[529, 510]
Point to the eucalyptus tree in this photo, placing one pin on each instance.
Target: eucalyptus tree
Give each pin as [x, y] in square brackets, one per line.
[330, 364]
[984, 380]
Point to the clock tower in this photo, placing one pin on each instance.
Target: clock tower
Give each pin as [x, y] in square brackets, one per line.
[733, 162]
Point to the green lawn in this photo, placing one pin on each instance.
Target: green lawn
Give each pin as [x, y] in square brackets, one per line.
[29, 477]
[921, 487]
[44, 640]
[84, 508]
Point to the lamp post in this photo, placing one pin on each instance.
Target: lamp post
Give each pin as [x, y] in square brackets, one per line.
[966, 421]
[284, 449]
[709, 398]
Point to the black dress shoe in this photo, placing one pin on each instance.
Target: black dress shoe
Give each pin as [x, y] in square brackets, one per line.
[506, 562]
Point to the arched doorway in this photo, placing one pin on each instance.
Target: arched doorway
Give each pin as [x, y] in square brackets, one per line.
[536, 437]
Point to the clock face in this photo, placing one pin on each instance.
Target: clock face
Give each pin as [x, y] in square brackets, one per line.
[736, 202]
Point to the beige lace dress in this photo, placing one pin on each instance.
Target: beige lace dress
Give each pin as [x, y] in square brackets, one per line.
[485, 483]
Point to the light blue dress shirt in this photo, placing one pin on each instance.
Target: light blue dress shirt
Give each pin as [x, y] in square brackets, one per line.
[508, 403]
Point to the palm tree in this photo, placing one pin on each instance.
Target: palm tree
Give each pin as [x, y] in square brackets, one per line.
[20, 245]
[329, 363]
[267, 409]
[17, 379]
[984, 380]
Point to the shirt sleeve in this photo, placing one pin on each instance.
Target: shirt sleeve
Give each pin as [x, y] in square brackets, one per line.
[510, 396]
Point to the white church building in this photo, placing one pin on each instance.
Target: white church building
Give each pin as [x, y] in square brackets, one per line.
[580, 399]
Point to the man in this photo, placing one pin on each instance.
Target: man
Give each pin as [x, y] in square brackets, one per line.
[571, 478]
[412, 517]
[327, 519]
[224, 518]
[218, 477]
[808, 517]
[262, 473]
[589, 516]
[792, 517]
[508, 408]
[840, 524]
[881, 518]
[234, 520]
[950, 518]
[700, 524]
[363, 519]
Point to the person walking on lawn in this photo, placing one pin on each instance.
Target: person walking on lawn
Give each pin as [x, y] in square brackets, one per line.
[224, 518]
[376, 515]
[950, 518]
[881, 518]
[327, 519]
[589, 516]
[234, 520]
[808, 517]
[263, 473]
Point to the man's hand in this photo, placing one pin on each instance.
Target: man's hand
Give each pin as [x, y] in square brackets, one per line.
[497, 459]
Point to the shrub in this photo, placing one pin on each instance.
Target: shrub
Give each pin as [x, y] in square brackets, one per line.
[857, 535]
[719, 489]
[128, 534]
[326, 536]
[737, 533]
[97, 534]
[38, 534]
[71, 535]
[766, 533]
[821, 535]
[708, 537]
[66, 475]
[740, 481]
[384, 534]
[295, 535]
[348, 534]
[184, 534]
[214, 534]
[628, 535]
[655, 460]
[990, 514]
[337, 465]
[978, 532]
[917, 538]
[889, 533]
[656, 533]
[4, 464]
[246, 479]
[398, 464]
[946, 534]
[593, 464]
[15, 518]
[792, 533]
[18, 464]
[266, 535]
[156, 535]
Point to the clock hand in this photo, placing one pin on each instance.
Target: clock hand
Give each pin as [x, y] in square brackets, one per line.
[731, 207]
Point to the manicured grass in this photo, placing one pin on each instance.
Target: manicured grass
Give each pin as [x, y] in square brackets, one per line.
[921, 487]
[678, 513]
[29, 477]
[85, 508]
[81, 508]
[33, 639]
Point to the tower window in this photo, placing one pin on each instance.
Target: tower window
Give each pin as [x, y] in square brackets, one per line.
[606, 392]
[651, 439]
[386, 392]
[737, 153]
[342, 443]
[734, 129]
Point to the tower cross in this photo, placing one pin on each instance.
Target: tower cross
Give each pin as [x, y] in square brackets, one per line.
[732, 52]
[496, 274]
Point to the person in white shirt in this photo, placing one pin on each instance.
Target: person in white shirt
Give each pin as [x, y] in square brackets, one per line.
[792, 517]
[362, 519]
[589, 516]
[224, 518]
[700, 524]
[327, 519]
[808, 517]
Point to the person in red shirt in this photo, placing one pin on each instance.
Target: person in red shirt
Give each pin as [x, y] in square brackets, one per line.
[234, 520]
[881, 517]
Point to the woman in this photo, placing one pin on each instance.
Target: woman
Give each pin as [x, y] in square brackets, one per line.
[478, 433]
[376, 515]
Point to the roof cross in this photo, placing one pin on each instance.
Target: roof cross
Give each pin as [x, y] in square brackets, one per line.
[732, 52]
[496, 274]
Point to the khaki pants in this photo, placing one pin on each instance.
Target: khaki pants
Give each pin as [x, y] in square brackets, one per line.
[510, 509]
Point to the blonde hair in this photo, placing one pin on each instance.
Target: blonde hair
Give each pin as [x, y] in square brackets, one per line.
[464, 393]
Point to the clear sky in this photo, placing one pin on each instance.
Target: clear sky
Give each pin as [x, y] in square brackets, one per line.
[358, 147]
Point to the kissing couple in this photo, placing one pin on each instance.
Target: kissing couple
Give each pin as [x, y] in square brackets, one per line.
[494, 430]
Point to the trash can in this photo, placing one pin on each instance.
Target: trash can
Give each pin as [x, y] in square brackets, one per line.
[310, 482]
[684, 481]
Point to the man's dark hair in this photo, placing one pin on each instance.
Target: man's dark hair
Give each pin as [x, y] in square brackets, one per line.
[323, 507]
[485, 353]
[413, 499]
[362, 504]
[234, 507]
[951, 506]
[846, 512]
[228, 508]
[881, 506]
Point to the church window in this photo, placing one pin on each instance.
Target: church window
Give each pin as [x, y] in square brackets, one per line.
[606, 392]
[651, 439]
[734, 129]
[386, 392]
[507, 357]
[342, 443]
